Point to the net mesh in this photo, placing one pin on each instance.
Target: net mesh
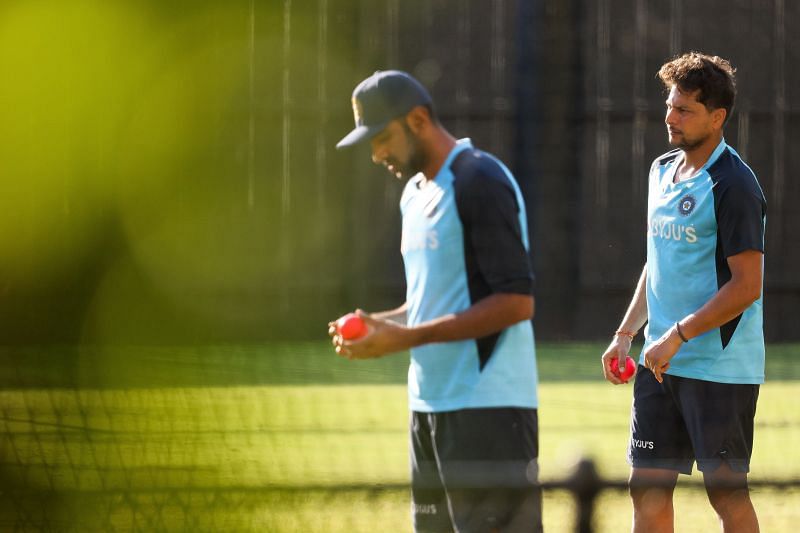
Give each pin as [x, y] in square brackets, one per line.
[264, 438]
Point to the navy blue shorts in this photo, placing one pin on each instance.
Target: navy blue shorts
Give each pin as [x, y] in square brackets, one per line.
[475, 470]
[683, 420]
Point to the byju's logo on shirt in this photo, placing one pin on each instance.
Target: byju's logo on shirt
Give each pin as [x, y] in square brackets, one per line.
[419, 240]
[686, 205]
[671, 232]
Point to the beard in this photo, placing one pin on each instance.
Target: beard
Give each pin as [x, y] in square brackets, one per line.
[417, 157]
[687, 145]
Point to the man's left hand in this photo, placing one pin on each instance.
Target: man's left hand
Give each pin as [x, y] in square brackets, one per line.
[658, 354]
[383, 337]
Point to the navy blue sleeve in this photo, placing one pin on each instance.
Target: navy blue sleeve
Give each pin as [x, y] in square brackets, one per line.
[496, 258]
[741, 213]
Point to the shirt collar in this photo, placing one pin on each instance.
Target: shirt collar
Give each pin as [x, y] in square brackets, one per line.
[461, 145]
[715, 154]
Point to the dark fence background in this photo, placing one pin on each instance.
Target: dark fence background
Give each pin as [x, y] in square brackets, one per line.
[171, 175]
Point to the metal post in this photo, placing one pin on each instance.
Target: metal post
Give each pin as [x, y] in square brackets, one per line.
[585, 485]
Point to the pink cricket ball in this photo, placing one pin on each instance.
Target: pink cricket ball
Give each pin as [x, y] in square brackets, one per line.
[630, 369]
[351, 327]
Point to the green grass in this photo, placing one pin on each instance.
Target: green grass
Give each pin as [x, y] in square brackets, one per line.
[290, 438]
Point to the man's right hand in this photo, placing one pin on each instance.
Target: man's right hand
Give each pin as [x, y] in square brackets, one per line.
[618, 349]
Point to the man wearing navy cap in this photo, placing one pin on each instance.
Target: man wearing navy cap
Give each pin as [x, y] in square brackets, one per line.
[472, 381]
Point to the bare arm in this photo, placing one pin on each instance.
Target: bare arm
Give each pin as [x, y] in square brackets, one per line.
[490, 315]
[395, 315]
[635, 317]
[398, 315]
[744, 288]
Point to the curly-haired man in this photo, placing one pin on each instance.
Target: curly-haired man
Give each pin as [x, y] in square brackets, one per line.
[700, 294]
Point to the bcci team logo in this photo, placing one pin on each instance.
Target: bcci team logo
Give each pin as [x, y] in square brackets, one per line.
[686, 205]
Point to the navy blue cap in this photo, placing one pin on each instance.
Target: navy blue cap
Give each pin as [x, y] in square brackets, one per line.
[381, 98]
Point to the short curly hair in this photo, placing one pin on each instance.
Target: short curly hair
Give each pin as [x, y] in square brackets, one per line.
[711, 75]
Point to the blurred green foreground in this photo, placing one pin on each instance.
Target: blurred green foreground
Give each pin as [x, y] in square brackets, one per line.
[160, 161]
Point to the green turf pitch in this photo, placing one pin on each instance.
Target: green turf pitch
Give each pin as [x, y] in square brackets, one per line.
[291, 438]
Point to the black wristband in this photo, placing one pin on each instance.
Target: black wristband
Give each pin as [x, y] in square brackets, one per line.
[680, 333]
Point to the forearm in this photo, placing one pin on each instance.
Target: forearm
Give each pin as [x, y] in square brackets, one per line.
[726, 305]
[398, 315]
[636, 315]
[733, 297]
[490, 315]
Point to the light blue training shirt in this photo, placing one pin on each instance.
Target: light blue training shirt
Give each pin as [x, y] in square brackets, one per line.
[465, 237]
[694, 226]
